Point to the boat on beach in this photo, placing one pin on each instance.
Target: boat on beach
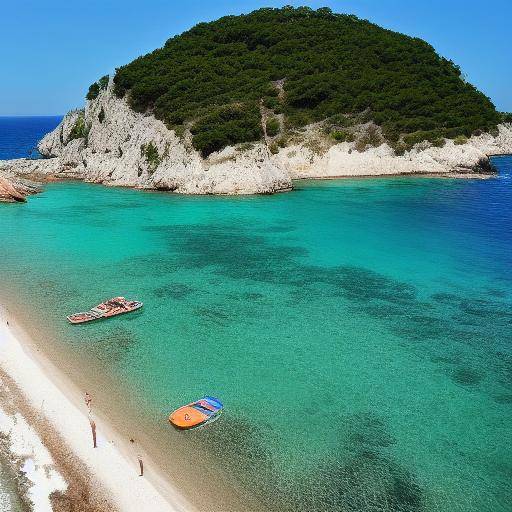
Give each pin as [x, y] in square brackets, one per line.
[198, 413]
[107, 309]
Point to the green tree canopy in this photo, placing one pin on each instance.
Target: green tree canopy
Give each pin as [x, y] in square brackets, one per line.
[214, 76]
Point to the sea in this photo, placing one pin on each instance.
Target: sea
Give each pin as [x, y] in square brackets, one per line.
[358, 332]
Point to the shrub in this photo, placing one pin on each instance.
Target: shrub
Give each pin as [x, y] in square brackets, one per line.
[150, 152]
[506, 117]
[273, 127]
[274, 149]
[101, 115]
[439, 143]
[103, 82]
[371, 137]
[400, 148]
[80, 130]
[226, 125]
[460, 139]
[94, 91]
[484, 166]
[342, 136]
[96, 87]
[179, 130]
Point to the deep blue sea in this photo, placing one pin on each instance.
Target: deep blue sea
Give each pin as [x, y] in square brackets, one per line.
[359, 332]
[19, 135]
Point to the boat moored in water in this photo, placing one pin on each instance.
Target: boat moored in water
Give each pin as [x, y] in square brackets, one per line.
[196, 413]
[107, 309]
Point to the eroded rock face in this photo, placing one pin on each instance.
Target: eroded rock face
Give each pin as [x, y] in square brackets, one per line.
[109, 143]
[115, 152]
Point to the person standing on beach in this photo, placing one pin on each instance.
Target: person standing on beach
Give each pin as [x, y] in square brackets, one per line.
[88, 400]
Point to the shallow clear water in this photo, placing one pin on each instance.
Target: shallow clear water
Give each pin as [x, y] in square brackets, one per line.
[358, 331]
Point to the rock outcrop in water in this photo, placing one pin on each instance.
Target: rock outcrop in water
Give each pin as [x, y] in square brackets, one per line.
[109, 143]
[14, 189]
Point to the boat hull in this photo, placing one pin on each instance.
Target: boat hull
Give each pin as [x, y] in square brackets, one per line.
[82, 318]
[196, 414]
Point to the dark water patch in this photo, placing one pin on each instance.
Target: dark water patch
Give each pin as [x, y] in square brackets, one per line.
[364, 481]
[504, 366]
[409, 183]
[473, 310]
[140, 266]
[238, 253]
[366, 430]
[360, 284]
[467, 376]
[232, 253]
[367, 482]
[503, 399]
[247, 298]
[280, 229]
[236, 441]
[112, 345]
[214, 314]
[237, 447]
[384, 311]
[446, 298]
[446, 359]
[253, 296]
[494, 292]
[74, 216]
[178, 291]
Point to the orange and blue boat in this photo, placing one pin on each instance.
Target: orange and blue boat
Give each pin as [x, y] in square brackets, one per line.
[196, 413]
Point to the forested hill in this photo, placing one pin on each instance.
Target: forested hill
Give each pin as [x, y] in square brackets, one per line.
[309, 66]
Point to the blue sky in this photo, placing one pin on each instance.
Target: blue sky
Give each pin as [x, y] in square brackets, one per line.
[51, 51]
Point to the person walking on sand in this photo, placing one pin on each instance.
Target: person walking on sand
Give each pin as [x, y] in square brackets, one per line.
[88, 400]
[139, 458]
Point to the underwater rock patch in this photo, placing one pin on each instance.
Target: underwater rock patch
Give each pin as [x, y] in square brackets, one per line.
[467, 376]
[368, 430]
[114, 345]
[176, 291]
[367, 482]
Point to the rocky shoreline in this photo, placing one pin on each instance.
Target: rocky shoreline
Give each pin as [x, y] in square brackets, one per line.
[109, 143]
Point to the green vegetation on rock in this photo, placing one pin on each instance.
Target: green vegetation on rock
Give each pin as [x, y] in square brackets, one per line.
[80, 129]
[97, 87]
[150, 152]
[272, 127]
[342, 136]
[325, 65]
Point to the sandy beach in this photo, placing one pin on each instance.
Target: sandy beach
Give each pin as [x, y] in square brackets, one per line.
[45, 424]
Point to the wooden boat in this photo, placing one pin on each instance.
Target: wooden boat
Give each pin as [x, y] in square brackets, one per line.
[107, 309]
[197, 413]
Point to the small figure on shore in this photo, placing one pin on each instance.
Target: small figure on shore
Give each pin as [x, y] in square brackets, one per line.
[141, 465]
[88, 400]
[93, 431]
[139, 458]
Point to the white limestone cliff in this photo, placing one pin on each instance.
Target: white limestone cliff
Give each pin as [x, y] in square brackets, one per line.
[107, 143]
[113, 154]
[341, 160]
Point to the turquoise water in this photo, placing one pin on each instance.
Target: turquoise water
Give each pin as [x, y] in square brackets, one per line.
[358, 331]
